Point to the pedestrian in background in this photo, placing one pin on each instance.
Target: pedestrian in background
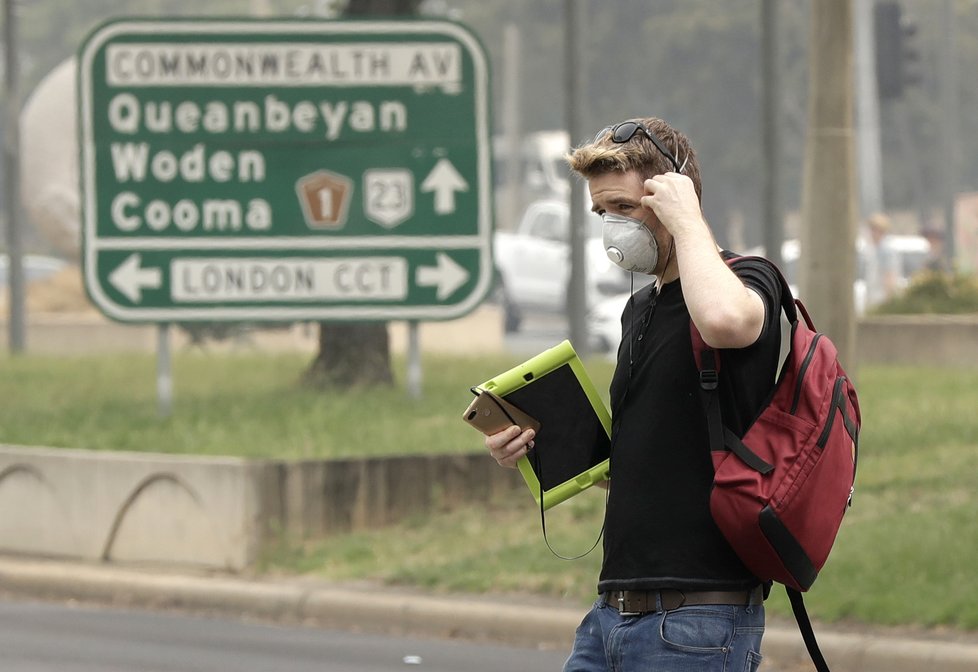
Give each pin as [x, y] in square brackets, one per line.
[937, 261]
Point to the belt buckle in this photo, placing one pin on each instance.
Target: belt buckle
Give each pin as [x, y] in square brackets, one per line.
[621, 606]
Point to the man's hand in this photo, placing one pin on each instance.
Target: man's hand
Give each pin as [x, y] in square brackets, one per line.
[509, 445]
[672, 197]
[727, 314]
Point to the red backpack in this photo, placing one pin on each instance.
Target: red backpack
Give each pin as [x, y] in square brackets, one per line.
[781, 490]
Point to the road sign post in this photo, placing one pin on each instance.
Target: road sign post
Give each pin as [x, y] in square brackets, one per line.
[237, 170]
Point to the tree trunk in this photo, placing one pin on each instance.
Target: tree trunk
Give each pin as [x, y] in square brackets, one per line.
[827, 267]
[357, 353]
[351, 354]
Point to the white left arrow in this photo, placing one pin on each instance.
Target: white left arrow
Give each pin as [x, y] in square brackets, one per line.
[131, 279]
[447, 276]
[444, 180]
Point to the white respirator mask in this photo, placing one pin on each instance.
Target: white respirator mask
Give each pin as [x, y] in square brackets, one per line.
[629, 243]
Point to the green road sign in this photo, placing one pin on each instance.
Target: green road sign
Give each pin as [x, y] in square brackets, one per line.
[237, 170]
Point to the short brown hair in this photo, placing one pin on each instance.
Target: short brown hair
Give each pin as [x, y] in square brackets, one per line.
[603, 155]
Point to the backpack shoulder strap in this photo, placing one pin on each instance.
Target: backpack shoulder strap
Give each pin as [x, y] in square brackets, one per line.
[721, 438]
[708, 364]
[788, 302]
[789, 305]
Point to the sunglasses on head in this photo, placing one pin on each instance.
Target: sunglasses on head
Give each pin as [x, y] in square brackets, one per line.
[626, 130]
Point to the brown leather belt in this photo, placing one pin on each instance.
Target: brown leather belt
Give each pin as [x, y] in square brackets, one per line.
[638, 602]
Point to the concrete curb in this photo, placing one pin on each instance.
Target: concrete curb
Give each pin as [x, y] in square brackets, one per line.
[368, 608]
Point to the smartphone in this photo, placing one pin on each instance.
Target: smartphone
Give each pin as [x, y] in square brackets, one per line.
[490, 414]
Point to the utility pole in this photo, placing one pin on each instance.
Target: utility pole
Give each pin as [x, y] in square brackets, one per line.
[509, 209]
[11, 159]
[577, 284]
[949, 127]
[828, 262]
[770, 132]
[867, 111]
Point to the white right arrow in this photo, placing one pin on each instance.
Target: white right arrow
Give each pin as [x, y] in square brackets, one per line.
[447, 276]
[130, 278]
[444, 180]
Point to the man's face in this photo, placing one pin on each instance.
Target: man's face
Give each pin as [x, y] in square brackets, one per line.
[621, 194]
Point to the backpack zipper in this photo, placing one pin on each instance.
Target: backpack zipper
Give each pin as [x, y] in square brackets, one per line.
[836, 406]
[804, 369]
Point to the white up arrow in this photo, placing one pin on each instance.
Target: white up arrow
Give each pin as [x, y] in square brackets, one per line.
[447, 276]
[444, 180]
[130, 278]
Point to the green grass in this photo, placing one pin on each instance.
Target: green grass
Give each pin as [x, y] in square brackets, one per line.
[494, 548]
[905, 554]
[251, 406]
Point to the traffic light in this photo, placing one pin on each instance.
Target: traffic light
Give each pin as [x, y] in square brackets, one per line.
[897, 57]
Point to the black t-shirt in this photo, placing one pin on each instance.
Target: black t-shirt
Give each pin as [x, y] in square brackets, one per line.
[659, 532]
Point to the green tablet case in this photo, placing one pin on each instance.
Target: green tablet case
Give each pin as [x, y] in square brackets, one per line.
[571, 450]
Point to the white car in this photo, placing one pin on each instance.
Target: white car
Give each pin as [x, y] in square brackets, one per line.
[604, 323]
[36, 267]
[533, 263]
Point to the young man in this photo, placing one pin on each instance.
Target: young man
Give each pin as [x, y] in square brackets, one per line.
[673, 594]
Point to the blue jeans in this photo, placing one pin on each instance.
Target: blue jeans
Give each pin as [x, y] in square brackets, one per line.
[702, 638]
